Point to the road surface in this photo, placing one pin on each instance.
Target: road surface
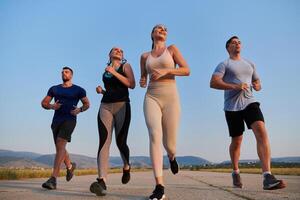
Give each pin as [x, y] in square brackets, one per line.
[186, 185]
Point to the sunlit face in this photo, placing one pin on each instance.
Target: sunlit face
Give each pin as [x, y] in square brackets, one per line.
[160, 31]
[66, 75]
[234, 46]
[116, 53]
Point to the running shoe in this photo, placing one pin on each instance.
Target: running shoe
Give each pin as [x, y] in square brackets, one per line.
[50, 184]
[271, 183]
[158, 193]
[126, 175]
[174, 166]
[98, 187]
[70, 172]
[236, 180]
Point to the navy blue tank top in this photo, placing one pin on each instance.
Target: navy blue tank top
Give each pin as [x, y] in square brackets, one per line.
[116, 91]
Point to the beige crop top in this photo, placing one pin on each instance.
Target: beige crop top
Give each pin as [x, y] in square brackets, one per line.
[165, 60]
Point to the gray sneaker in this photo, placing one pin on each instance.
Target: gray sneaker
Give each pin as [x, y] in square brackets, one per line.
[50, 184]
[271, 183]
[236, 180]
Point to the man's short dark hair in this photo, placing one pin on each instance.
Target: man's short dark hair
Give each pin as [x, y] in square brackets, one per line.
[228, 41]
[68, 69]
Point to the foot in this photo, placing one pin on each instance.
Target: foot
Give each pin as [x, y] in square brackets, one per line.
[99, 187]
[126, 175]
[70, 172]
[174, 166]
[50, 184]
[158, 193]
[236, 180]
[271, 183]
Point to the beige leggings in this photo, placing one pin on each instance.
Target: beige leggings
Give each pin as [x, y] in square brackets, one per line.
[162, 112]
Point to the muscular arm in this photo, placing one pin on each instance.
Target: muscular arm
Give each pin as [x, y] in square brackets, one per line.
[217, 82]
[46, 103]
[85, 104]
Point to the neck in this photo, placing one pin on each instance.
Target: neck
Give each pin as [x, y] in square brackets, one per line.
[67, 84]
[158, 44]
[115, 63]
[235, 56]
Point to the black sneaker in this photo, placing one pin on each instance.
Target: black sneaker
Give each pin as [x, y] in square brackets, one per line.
[70, 172]
[236, 180]
[271, 183]
[50, 184]
[126, 175]
[174, 166]
[99, 187]
[158, 193]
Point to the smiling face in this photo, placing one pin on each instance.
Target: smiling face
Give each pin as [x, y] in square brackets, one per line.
[116, 53]
[159, 32]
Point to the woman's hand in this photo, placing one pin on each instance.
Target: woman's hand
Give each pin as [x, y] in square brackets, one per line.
[143, 82]
[158, 73]
[99, 89]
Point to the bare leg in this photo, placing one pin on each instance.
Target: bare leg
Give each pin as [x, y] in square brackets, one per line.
[60, 155]
[263, 145]
[67, 160]
[235, 151]
[159, 180]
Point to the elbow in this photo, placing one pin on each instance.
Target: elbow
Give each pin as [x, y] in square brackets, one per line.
[131, 85]
[212, 84]
[44, 105]
[187, 71]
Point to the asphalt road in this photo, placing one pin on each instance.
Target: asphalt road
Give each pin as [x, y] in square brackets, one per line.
[186, 185]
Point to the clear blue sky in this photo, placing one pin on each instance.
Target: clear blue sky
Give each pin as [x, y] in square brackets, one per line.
[37, 38]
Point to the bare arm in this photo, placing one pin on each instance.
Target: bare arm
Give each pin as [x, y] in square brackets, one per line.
[143, 79]
[183, 69]
[127, 80]
[84, 107]
[217, 82]
[46, 103]
[256, 85]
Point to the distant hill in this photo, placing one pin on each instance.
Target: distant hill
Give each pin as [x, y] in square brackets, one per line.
[19, 154]
[17, 159]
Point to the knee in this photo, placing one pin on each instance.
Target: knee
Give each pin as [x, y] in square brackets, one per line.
[236, 143]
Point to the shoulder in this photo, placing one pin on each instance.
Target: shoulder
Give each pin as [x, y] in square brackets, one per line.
[54, 87]
[145, 55]
[248, 61]
[126, 66]
[77, 87]
[173, 49]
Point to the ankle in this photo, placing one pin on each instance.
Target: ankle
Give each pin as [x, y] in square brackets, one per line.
[236, 171]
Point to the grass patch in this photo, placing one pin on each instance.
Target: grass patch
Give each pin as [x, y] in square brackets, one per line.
[16, 174]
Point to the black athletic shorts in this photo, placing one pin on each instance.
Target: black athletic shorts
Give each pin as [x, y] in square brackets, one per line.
[63, 130]
[235, 119]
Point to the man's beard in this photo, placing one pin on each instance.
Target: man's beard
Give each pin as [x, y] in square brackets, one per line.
[65, 79]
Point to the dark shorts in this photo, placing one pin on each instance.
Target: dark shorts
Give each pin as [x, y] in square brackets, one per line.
[235, 119]
[63, 130]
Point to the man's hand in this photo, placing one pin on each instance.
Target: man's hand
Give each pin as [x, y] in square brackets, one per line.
[56, 105]
[76, 111]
